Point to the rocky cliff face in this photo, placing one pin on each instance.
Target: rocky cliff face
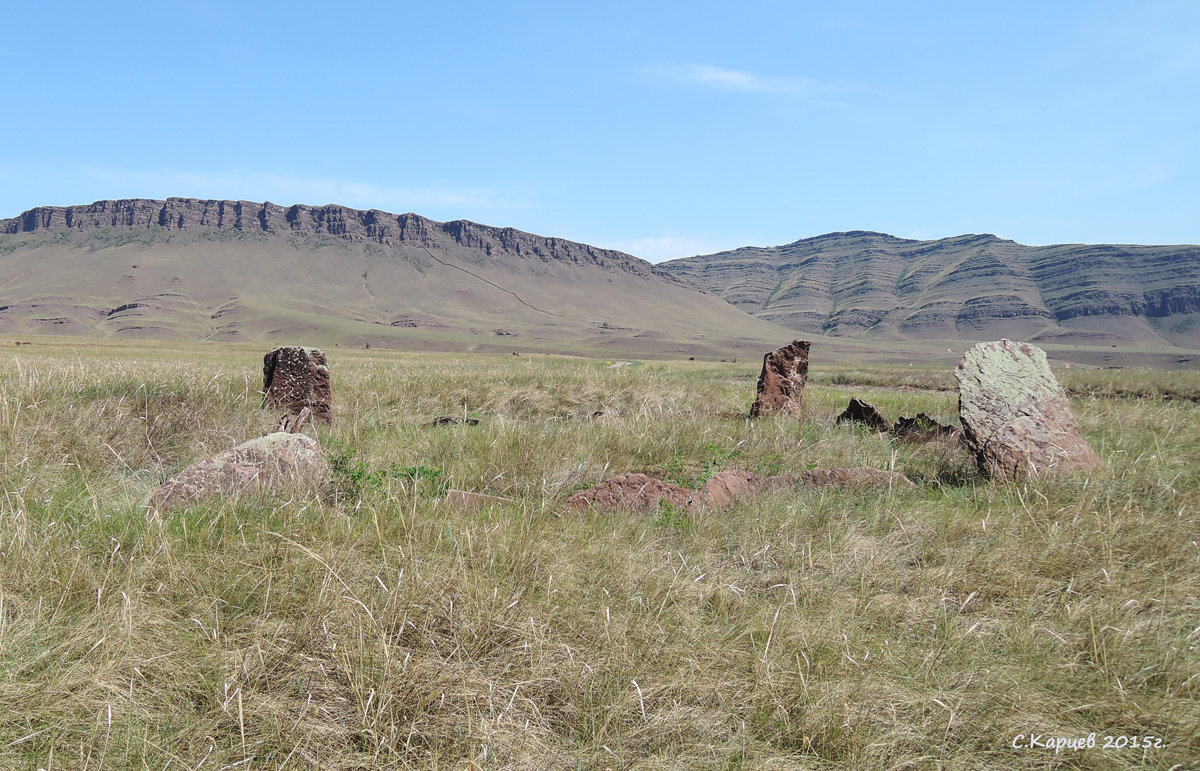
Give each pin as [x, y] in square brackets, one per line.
[340, 222]
[974, 286]
[329, 275]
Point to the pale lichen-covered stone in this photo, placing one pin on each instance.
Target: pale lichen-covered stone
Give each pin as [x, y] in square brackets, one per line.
[277, 461]
[1015, 418]
[295, 378]
[781, 384]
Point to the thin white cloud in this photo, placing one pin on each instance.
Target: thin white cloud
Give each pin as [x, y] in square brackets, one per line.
[724, 79]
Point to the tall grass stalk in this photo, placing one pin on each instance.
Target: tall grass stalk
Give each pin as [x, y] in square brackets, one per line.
[370, 625]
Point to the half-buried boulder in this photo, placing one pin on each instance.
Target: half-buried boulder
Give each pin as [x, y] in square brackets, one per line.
[859, 411]
[923, 428]
[632, 492]
[781, 384]
[725, 487]
[278, 462]
[1016, 420]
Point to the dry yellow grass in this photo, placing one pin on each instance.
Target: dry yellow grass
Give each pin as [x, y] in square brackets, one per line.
[370, 626]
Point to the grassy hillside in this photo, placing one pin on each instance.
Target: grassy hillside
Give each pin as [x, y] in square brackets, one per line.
[372, 626]
[229, 271]
[973, 287]
[234, 271]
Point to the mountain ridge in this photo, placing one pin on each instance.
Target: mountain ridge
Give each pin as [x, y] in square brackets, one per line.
[210, 269]
[343, 222]
[869, 284]
[239, 270]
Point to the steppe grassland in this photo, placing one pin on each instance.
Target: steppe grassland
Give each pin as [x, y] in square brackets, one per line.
[370, 625]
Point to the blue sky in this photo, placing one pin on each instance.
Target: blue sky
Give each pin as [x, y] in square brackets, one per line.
[663, 129]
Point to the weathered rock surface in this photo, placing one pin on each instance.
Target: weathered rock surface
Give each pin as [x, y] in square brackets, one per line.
[859, 411]
[976, 286]
[634, 492]
[293, 422]
[296, 378]
[468, 501]
[278, 461]
[1016, 419]
[301, 221]
[244, 271]
[781, 383]
[922, 428]
[855, 477]
[725, 487]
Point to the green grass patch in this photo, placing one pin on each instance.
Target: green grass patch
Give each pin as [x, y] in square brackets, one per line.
[371, 625]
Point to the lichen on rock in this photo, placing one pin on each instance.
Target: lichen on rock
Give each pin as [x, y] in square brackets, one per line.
[1015, 417]
[277, 461]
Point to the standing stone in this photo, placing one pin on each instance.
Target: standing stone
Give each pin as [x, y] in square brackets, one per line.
[781, 384]
[1015, 417]
[295, 378]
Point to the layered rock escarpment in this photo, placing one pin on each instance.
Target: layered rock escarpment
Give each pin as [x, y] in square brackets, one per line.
[975, 286]
[340, 222]
[324, 275]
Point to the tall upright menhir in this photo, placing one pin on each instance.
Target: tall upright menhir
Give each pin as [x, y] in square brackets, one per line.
[781, 384]
[295, 378]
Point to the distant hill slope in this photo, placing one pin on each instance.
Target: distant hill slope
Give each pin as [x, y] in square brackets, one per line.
[235, 270]
[974, 287]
